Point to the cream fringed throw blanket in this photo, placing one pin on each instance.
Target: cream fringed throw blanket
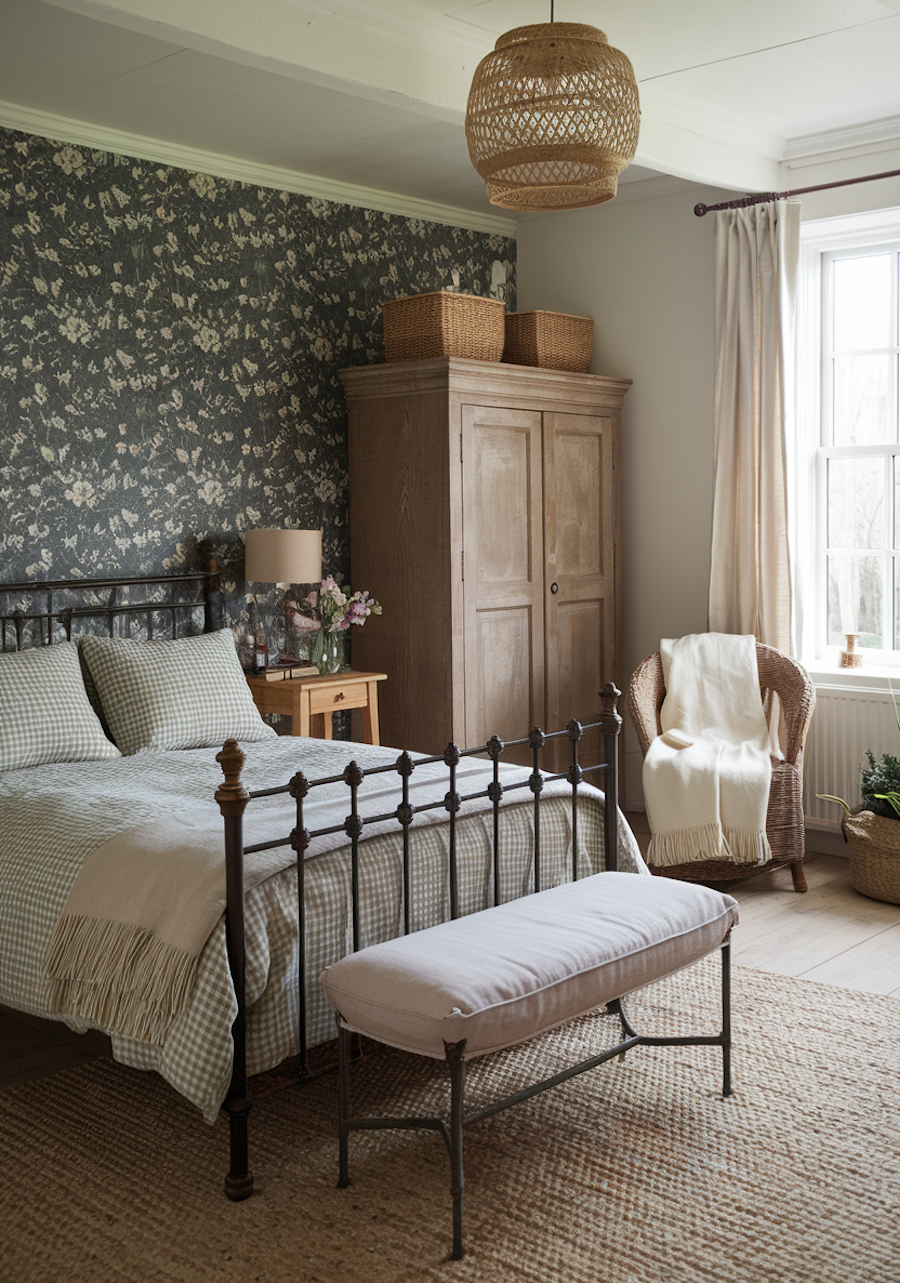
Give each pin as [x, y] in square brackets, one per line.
[707, 776]
[124, 953]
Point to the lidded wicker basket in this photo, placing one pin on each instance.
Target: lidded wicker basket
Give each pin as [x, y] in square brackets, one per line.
[874, 855]
[551, 340]
[443, 324]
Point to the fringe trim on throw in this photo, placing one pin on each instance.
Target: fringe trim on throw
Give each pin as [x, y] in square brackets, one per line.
[117, 976]
[685, 846]
[708, 842]
[747, 846]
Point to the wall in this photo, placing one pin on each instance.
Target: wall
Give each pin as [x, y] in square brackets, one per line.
[644, 270]
[169, 348]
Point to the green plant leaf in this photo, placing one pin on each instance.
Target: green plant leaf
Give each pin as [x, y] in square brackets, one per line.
[892, 798]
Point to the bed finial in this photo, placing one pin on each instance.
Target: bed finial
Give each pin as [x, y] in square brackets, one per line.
[610, 721]
[231, 796]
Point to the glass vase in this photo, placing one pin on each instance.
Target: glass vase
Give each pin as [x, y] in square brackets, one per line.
[329, 651]
[299, 643]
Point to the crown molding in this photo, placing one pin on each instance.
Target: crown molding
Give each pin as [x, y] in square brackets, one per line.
[870, 227]
[84, 134]
[875, 135]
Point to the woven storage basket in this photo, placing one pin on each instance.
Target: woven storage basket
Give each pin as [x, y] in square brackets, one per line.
[551, 340]
[443, 324]
[874, 855]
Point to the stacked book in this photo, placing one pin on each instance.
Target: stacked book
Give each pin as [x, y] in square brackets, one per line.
[284, 670]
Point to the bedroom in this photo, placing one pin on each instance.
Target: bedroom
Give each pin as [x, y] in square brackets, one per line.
[166, 427]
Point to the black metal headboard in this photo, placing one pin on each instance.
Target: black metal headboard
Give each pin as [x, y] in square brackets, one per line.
[39, 613]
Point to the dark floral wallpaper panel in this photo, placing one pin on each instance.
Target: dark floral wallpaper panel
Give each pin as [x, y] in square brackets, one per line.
[169, 349]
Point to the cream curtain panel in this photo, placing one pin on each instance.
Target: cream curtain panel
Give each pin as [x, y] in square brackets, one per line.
[757, 254]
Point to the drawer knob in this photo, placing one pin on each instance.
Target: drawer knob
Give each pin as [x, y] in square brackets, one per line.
[339, 696]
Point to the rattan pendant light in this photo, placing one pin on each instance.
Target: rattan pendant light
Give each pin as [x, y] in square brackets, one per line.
[552, 118]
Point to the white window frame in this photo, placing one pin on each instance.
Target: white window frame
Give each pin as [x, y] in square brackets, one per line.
[821, 241]
[888, 552]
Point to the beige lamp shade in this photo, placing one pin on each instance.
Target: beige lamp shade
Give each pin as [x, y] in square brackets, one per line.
[284, 556]
[552, 118]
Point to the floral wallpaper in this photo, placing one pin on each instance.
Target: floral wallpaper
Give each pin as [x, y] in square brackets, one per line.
[169, 349]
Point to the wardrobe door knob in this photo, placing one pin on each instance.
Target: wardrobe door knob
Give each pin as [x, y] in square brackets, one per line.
[554, 588]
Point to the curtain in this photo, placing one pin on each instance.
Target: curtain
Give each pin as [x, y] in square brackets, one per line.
[757, 253]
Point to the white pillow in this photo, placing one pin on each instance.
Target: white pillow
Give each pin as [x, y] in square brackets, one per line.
[186, 693]
[45, 715]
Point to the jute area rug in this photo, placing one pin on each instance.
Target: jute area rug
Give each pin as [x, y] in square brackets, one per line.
[636, 1171]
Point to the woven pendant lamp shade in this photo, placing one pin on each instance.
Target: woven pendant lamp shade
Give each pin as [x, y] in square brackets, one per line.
[552, 118]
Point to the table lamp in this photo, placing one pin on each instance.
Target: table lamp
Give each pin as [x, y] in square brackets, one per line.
[285, 557]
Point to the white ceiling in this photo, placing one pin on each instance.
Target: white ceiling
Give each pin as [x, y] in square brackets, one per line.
[372, 93]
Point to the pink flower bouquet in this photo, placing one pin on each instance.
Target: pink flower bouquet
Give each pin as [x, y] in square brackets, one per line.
[332, 608]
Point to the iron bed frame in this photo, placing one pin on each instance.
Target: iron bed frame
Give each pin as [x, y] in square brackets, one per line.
[42, 626]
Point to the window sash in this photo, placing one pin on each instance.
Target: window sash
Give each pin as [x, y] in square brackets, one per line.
[887, 551]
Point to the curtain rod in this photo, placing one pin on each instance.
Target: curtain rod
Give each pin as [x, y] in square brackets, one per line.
[763, 197]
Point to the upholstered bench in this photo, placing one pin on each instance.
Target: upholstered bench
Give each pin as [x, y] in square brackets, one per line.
[492, 979]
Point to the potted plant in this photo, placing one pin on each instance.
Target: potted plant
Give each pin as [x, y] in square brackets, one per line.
[880, 785]
[873, 830]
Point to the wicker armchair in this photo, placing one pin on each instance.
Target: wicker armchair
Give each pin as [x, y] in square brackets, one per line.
[784, 821]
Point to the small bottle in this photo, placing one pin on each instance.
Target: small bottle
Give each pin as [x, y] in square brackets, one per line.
[260, 650]
[247, 645]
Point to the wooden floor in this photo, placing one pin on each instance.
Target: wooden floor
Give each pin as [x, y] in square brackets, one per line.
[831, 934]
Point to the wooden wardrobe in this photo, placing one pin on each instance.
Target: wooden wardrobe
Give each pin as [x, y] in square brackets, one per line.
[485, 517]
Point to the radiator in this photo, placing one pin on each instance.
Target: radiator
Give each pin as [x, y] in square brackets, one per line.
[846, 722]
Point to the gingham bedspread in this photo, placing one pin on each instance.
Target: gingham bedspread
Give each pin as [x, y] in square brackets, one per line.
[54, 816]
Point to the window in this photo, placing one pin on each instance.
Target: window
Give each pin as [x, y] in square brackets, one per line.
[844, 452]
[858, 472]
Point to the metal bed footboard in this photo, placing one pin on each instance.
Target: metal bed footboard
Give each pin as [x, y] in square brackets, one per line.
[233, 799]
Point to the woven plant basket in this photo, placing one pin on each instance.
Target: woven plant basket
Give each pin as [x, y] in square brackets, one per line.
[443, 324]
[874, 855]
[551, 340]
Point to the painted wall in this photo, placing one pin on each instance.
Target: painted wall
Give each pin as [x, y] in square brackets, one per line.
[644, 270]
[169, 349]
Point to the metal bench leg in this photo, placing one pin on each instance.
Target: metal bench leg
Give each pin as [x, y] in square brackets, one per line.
[614, 1008]
[457, 1065]
[343, 1102]
[726, 1018]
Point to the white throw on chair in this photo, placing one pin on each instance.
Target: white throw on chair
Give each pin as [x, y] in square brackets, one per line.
[777, 675]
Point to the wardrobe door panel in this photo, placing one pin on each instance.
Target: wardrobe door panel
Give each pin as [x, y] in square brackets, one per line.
[503, 571]
[580, 525]
[502, 663]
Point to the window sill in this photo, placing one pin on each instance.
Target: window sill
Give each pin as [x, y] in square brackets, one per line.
[868, 678]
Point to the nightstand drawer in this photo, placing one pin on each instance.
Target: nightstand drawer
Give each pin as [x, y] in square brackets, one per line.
[331, 699]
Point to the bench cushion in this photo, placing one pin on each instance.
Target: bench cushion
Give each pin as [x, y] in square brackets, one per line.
[505, 974]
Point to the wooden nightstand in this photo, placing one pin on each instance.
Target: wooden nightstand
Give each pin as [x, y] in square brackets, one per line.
[305, 698]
